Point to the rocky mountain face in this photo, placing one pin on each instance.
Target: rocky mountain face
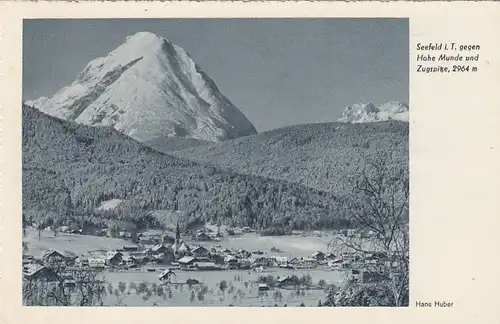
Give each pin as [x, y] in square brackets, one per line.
[368, 113]
[149, 89]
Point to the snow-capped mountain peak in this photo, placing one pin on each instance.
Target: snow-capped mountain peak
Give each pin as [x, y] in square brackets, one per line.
[148, 88]
[368, 112]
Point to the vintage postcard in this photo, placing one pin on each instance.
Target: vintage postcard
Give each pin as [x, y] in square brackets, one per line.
[329, 157]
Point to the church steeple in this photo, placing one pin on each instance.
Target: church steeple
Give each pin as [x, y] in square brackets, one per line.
[177, 233]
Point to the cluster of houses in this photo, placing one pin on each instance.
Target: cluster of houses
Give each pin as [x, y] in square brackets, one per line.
[161, 249]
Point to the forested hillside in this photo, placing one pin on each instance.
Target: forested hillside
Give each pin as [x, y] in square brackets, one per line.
[70, 169]
[322, 156]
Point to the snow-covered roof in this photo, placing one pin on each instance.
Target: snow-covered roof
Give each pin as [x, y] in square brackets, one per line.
[186, 259]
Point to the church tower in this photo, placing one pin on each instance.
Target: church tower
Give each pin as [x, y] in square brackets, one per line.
[177, 233]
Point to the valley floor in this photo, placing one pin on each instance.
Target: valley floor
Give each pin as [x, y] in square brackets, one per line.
[242, 285]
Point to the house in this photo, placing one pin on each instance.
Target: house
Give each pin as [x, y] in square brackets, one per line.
[294, 261]
[309, 262]
[346, 265]
[244, 264]
[331, 256]
[59, 257]
[281, 260]
[148, 239]
[243, 254]
[201, 236]
[64, 229]
[159, 248]
[186, 261]
[334, 263]
[180, 248]
[319, 256]
[130, 248]
[139, 257]
[348, 256]
[165, 257]
[114, 258]
[205, 266]
[28, 258]
[124, 235]
[217, 258]
[38, 272]
[371, 277]
[69, 282]
[215, 236]
[285, 281]
[201, 252]
[265, 261]
[167, 239]
[263, 287]
[129, 261]
[231, 262]
[97, 263]
[378, 256]
[82, 262]
[166, 276]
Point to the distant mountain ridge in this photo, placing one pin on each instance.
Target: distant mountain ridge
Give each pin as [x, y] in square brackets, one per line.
[322, 156]
[149, 89]
[368, 113]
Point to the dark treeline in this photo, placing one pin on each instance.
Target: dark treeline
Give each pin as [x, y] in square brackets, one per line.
[70, 169]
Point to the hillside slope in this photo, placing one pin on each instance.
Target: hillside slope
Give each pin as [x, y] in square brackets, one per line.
[149, 89]
[321, 156]
[69, 170]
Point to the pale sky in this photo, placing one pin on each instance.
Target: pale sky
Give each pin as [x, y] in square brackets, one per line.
[278, 72]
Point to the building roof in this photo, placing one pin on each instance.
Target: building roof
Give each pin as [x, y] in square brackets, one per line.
[128, 257]
[180, 246]
[31, 269]
[166, 272]
[199, 248]
[280, 258]
[112, 254]
[157, 247]
[205, 264]
[309, 260]
[186, 259]
[229, 258]
[64, 254]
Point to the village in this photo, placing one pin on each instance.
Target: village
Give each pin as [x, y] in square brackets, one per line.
[180, 260]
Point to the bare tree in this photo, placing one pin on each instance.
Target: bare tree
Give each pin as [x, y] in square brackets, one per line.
[63, 287]
[40, 228]
[380, 212]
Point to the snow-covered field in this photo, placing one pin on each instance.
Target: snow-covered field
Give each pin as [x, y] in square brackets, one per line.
[239, 295]
[78, 244]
